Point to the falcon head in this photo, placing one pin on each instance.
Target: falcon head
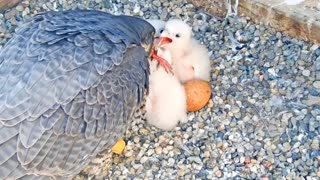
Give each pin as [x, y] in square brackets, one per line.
[143, 29]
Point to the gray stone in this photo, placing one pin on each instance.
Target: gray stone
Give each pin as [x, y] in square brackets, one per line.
[316, 84]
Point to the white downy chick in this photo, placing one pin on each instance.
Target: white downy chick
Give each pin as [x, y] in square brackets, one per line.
[166, 101]
[158, 25]
[190, 58]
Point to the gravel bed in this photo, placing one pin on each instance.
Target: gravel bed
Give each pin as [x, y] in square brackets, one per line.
[263, 120]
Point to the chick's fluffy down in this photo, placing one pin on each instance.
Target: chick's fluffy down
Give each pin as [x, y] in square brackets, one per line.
[166, 102]
[194, 64]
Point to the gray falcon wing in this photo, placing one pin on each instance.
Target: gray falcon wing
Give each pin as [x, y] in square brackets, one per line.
[69, 81]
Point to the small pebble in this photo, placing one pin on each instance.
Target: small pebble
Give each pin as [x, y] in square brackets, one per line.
[158, 150]
[316, 84]
[306, 73]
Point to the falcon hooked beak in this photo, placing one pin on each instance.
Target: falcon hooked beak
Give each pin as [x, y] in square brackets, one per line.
[154, 55]
[152, 47]
[163, 62]
[159, 41]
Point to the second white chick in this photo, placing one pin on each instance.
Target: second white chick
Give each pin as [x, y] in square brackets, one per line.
[158, 26]
[190, 58]
[166, 101]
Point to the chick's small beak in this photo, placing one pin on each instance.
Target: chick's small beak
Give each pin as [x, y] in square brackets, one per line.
[164, 40]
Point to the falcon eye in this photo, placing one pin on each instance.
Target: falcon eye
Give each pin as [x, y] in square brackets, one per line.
[177, 35]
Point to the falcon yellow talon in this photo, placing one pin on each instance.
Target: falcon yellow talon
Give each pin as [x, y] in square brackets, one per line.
[119, 147]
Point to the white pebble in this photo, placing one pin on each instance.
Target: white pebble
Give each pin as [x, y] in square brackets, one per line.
[306, 73]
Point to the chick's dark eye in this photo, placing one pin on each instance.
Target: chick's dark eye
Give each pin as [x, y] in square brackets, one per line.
[161, 30]
[177, 35]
